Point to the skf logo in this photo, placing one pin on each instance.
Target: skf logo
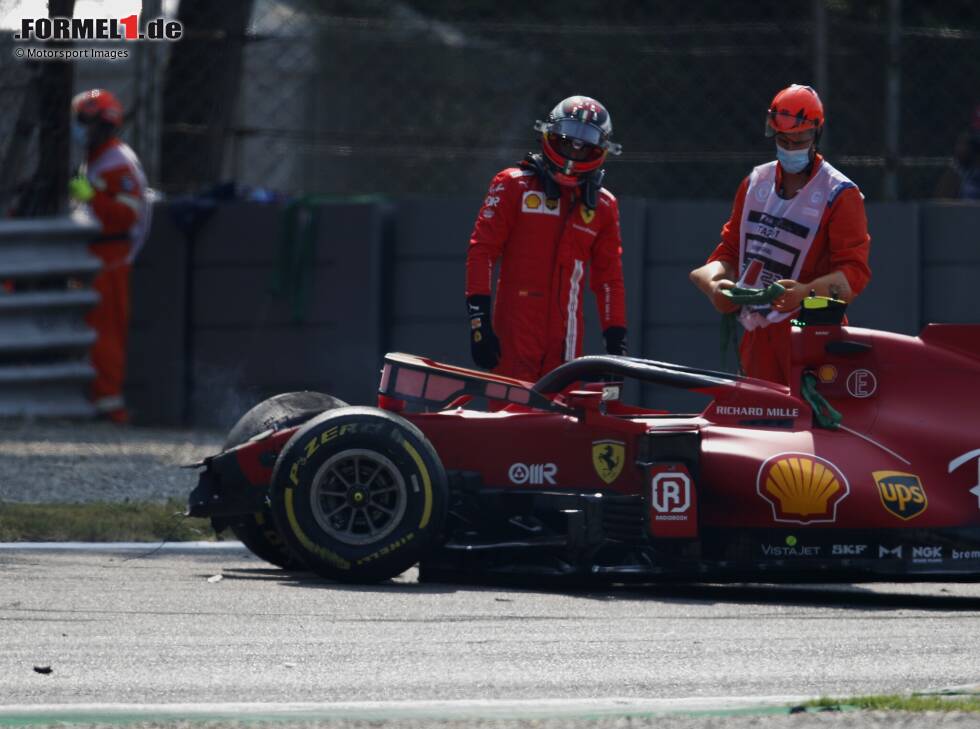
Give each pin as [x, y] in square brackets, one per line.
[801, 488]
[534, 202]
[588, 214]
[608, 457]
[848, 550]
[670, 493]
[535, 474]
[901, 493]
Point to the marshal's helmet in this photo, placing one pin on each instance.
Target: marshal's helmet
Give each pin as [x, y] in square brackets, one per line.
[795, 109]
[575, 139]
[97, 105]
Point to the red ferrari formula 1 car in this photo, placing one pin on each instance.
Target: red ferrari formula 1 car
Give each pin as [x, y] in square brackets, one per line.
[868, 467]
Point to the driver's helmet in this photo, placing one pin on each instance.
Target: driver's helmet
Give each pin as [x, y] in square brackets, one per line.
[794, 109]
[575, 138]
[97, 105]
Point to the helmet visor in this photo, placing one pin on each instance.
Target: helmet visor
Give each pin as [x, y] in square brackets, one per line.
[574, 149]
[583, 131]
[780, 121]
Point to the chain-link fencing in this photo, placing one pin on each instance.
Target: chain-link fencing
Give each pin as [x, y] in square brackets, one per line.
[432, 97]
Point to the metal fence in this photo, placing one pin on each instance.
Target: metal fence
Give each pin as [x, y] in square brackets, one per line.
[46, 273]
[432, 97]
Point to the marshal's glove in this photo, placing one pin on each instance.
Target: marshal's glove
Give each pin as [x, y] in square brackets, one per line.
[484, 345]
[615, 340]
[79, 188]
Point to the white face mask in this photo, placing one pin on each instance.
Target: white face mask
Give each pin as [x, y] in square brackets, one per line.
[793, 160]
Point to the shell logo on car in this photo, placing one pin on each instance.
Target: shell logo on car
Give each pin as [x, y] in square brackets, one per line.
[827, 373]
[801, 488]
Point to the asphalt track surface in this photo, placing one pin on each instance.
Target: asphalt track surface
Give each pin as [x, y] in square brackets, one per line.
[216, 633]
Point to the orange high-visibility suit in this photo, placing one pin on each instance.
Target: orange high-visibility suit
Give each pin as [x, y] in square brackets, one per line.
[121, 205]
[841, 243]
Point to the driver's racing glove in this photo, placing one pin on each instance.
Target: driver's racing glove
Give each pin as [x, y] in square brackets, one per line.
[615, 340]
[484, 345]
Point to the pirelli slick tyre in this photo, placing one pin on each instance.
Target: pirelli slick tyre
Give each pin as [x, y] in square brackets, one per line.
[257, 531]
[359, 494]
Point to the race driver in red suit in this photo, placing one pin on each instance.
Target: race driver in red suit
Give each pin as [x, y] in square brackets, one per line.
[113, 186]
[545, 221]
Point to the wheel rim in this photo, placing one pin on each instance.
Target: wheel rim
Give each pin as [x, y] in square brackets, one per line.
[358, 497]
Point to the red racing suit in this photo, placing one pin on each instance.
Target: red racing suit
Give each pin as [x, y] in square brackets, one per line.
[841, 244]
[122, 207]
[544, 247]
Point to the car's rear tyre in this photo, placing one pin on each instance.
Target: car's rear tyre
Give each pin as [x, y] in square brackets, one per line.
[359, 495]
[257, 531]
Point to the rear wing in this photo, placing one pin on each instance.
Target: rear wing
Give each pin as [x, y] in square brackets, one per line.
[431, 385]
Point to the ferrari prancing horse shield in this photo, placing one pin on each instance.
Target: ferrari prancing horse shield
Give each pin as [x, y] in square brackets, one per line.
[608, 457]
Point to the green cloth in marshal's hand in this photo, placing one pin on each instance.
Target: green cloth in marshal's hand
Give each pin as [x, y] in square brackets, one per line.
[754, 297]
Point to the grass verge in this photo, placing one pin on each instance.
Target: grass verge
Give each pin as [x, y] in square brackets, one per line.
[928, 702]
[100, 522]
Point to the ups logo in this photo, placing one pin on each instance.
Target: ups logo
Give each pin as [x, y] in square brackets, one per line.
[901, 493]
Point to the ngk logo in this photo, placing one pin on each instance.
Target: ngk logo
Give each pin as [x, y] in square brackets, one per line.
[670, 493]
[927, 553]
[532, 473]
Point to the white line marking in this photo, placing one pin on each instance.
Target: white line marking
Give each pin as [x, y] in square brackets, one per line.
[229, 546]
[523, 708]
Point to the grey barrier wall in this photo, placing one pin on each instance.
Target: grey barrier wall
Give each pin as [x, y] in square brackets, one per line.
[678, 323]
[893, 298]
[950, 264]
[46, 273]
[235, 313]
[156, 388]
[427, 275]
[211, 337]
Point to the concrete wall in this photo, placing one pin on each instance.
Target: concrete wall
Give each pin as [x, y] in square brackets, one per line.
[950, 262]
[212, 334]
[210, 337]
